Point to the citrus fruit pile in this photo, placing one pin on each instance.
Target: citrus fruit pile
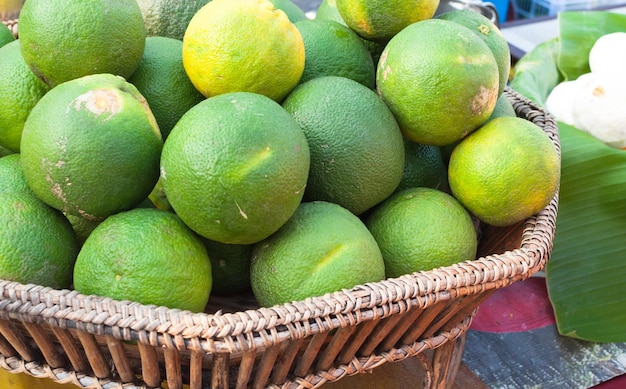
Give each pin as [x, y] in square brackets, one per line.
[160, 153]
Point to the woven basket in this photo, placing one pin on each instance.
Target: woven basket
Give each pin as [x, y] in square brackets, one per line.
[96, 342]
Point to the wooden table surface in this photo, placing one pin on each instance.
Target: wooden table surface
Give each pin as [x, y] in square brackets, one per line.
[407, 374]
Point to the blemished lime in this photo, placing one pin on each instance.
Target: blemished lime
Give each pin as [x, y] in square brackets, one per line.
[382, 19]
[440, 82]
[91, 147]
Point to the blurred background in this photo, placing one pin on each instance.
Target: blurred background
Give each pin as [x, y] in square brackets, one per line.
[9, 9]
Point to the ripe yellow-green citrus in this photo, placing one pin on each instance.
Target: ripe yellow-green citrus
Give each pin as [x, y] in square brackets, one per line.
[91, 147]
[145, 255]
[168, 18]
[37, 243]
[440, 82]
[506, 171]
[243, 46]
[357, 152]
[382, 19]
[503, 108]
[332, 49]
[323, 248]
[161, 79]
[490, 34]
[327, 10]
[20, 90]
[421, 229]
[66, 39]
[230, 264]
[235, 167]
[6, 35]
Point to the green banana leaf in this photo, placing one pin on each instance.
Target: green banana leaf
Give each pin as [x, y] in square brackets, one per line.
[586, 273]
[564, 57]
[536, 73]
[578, 32]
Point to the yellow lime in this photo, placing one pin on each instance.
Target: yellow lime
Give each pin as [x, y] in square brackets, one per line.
[243, 46]
[503, 107]
[382, 19]
[506, 171]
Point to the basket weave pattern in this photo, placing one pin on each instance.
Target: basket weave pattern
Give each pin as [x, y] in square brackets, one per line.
[96, 342]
